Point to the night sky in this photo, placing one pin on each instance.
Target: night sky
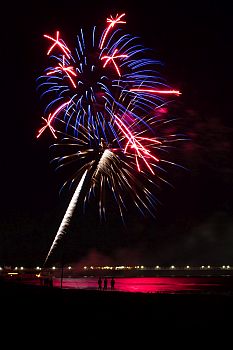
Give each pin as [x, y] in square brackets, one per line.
[194, 222]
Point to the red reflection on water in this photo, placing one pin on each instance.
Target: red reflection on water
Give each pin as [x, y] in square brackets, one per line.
[144, 284]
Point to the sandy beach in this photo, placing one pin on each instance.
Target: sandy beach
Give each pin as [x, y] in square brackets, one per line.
[48, 305]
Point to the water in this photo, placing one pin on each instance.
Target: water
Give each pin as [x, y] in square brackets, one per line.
[151, 284]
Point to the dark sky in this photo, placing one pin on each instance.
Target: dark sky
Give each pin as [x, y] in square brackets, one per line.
[194, 222]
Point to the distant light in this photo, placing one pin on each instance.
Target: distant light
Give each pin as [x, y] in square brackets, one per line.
[228, 266]
[208, 266]
[85, 267]
[172, 267]
[69, 267]
[0, 268]
[203, 267]
[16, 268]
[38, 268]
[107, 267]
[21, 268]
[187, 266]
[223, 266]
[157, 266]
[142, 267]
[53, 267]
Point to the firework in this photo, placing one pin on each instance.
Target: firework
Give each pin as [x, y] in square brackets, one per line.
[104, 97]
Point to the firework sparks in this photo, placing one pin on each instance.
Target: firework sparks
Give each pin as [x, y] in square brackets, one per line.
[97, 94]
[112, 22]
[136, 145]
[51, 117]
[58, 42]
[112, 59]
[69, 70]
[152, 91]
[106, 104]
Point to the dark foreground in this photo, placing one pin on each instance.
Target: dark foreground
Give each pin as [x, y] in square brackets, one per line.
[27, 305]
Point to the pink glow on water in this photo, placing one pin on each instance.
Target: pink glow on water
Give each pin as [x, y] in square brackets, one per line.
[143, 284]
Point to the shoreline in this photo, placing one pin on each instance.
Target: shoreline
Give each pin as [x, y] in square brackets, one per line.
[179, 310]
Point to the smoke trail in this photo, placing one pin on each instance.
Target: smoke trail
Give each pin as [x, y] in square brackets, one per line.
[68, 215]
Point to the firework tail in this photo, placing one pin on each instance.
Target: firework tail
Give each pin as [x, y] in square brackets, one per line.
[68, 215]
[98, 166]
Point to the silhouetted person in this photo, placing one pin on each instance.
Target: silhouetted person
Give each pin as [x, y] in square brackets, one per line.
[100, 283]
[105, 283]
[112, 283]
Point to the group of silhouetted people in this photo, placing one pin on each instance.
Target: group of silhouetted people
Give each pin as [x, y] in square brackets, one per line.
[103, 284]
[46, 281]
